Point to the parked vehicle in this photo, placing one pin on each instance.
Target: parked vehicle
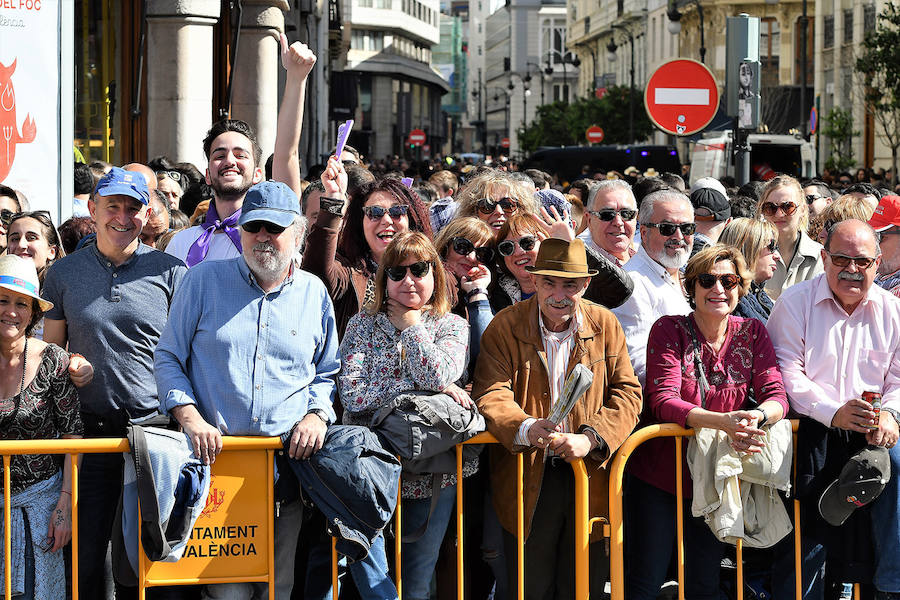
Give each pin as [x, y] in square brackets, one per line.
[769, 156]
[567, 161]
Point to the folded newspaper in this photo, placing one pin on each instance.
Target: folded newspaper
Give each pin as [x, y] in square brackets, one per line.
[577, 383]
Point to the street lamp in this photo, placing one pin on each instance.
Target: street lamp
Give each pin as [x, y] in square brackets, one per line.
[525, 92]
[565, 58]
[674, 25]
[611, 47]
[540, 74]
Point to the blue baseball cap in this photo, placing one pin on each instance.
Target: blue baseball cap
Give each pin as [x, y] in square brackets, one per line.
[270, 201]
[119, 182]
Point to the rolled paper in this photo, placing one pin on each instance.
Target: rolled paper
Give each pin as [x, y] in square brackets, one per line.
[342, 134]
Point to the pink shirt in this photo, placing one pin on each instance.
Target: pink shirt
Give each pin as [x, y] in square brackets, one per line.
[745, 361]
[828, 357]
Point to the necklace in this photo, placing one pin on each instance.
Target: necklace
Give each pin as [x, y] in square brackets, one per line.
[24, 365]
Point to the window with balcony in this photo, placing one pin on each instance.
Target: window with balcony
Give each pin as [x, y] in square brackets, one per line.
[828, 34]
[869, 17]
[798, 44]
[769, 51]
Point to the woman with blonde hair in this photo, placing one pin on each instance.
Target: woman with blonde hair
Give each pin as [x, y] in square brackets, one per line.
[758, 243]
[494, 197]
[407, 339]
[783, 204]
[845, 207]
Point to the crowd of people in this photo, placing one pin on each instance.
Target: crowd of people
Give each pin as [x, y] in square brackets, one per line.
[248, 301]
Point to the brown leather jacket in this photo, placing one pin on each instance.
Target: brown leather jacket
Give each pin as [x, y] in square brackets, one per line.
[512, 384]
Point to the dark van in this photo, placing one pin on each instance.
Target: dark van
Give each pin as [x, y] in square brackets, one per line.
[567, 161]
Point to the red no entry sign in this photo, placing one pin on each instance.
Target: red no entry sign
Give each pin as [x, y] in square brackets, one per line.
[594, 134]
[417, 136]
[505, 142]
[681, 97]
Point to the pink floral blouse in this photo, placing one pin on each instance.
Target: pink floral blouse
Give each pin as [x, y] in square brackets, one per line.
[745, 362]
[378, 362]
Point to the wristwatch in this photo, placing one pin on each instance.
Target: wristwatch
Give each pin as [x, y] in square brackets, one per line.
[331, 205]
[319, 413]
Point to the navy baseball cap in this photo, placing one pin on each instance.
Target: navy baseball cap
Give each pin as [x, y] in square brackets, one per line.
[710, 205]
[861, 481]
[119, 182]
[270, 201]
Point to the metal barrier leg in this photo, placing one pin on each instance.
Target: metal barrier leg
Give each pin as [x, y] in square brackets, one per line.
[7, 524]
[582, 532]
[679, 518]
[334, 569]
[460, 575]
[270, 467]
[398, 538]
[520, 526]
[739, 558]
[73, 458]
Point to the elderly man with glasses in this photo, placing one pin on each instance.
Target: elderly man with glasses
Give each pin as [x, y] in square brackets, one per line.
[667, 235]
[612, 219]
[837, 337]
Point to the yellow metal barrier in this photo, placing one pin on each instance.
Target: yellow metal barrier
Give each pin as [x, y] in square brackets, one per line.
[75, 447]
[616, 495]
[583, 526]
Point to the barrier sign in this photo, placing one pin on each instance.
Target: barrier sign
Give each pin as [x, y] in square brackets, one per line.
[230, 538]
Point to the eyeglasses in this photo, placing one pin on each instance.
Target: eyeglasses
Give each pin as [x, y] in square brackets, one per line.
[728, 280]
[770, 208]
[464, 247]
[40, 215]
[255, 226]
[608, 214]
[417, 269]
[376, 213]
[842, 260]
[772, 247]
[6, 216]
[508, 247]
[810, 198]
[173, 175]
[486, 206]
[668, 229]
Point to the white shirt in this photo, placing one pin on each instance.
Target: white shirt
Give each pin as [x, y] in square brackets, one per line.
[220, 246]
[828, 357]
[656, 294]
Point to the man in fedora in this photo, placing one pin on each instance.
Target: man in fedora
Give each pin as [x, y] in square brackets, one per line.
[526, 354]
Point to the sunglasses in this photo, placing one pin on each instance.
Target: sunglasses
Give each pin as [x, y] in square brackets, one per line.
[728, 280]
[173, 175]
[608, 214]
[842, 260]
[810, 198]
[668, 229]
[508, 247]
[376, 213]
[464, 247]
[255, 226]
[770, 208]
[40, 215]
[417, 269]
[772, 247]
[6, 216]
[486, 206]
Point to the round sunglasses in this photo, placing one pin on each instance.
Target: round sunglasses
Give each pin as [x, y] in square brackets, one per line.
[668, 229]
[770, 208]
[486, 206]
[728, 280]
[508, 247]
[608, 214]
[464, 247]
[417, 269]
[376, 213]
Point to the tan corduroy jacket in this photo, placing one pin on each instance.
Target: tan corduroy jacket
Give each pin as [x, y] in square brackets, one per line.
[512, 384]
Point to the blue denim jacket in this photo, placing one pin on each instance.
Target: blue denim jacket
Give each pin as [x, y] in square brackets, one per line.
[353, 480]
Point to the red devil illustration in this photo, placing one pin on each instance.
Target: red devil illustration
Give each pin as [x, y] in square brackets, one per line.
[9, 131]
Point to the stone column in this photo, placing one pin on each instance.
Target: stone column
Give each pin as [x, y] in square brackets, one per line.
[179, 77]
[258, 61]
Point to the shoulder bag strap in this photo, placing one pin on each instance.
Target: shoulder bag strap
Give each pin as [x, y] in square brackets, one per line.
[702, 383]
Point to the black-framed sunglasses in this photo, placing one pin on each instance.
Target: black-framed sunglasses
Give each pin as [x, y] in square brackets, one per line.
[40, 215]
[464, 247]
[173, 175]
[728, 280]
[255, 226]
[486, 206]
[810, 198]
[770, 208]
[6, 216]
[508, 247]
[772, 246]
[376, 213]
[417, 269]
[608, 214]
[842, 260]
[668, 229]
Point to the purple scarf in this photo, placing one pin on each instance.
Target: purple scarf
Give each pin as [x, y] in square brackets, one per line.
[199, 249]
